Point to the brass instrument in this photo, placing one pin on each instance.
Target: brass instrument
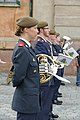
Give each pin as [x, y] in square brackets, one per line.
[48, 68]
[44, 67]
[68, 42]
[9, 77]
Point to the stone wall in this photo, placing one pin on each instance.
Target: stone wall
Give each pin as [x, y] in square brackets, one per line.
[44, 10]
[67, 17]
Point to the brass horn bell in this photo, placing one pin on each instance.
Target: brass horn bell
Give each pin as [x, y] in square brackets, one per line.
[44, 64]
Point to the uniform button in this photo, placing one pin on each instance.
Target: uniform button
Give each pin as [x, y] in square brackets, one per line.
[34, 71]
[48, 50]
[33, 59]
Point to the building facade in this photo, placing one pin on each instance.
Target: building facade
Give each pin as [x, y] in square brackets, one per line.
[10, 10]
[62, 15]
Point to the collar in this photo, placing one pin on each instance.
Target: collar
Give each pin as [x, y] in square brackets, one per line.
[49, 41]
[27, 42]
[55, 43]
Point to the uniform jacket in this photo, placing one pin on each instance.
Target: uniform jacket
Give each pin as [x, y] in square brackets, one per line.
[25, 79]
[42, 46]
[58, 48]
[55, 53]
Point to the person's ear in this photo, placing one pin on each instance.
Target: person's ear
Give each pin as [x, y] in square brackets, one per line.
[26, 29]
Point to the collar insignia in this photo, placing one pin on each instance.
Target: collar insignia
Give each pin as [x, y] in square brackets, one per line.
[20, 44]
[38, 39]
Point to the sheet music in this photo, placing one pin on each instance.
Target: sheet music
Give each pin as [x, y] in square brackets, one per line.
[66, 60]
[71, 52]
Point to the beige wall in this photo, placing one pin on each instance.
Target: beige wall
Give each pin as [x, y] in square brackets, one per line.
[44, 10]
[61, 14]
[67, 2]
[67, 17]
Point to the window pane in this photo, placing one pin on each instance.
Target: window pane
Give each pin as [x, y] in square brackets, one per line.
[10, 0]
[1, 0]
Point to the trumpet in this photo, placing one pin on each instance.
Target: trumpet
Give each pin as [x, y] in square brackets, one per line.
[67, 42]
[48, 68]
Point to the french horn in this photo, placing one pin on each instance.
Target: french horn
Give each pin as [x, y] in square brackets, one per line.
[44, 67]
[48, 68]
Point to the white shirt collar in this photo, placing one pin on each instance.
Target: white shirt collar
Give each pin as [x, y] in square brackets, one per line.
[26, 41]
[49, 41]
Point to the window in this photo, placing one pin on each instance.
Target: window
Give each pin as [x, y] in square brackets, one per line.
[9, 2]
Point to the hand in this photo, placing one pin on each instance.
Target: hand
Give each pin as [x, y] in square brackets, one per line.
[61, 66]
[53, 69]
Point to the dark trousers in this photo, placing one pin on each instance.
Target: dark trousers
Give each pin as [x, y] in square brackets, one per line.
[22, 116]
[78, 76]
[62, 72]
[46, 101]
[56, 86]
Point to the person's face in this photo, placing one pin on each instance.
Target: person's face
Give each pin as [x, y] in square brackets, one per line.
[46, 31]
[58, 39]
[52, 37]
[32, 33]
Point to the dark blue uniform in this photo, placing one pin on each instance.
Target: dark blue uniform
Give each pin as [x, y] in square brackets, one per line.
[59, 49]
[57, 82]
[26, 80]
[46, 91]
[60, 72]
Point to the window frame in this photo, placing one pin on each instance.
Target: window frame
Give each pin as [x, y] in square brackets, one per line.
[12, 4]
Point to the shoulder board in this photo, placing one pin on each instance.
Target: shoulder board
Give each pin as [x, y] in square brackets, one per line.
[20, 44]
[38, 39]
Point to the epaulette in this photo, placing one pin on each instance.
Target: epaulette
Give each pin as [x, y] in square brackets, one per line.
[20, 44]
[38, 39]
